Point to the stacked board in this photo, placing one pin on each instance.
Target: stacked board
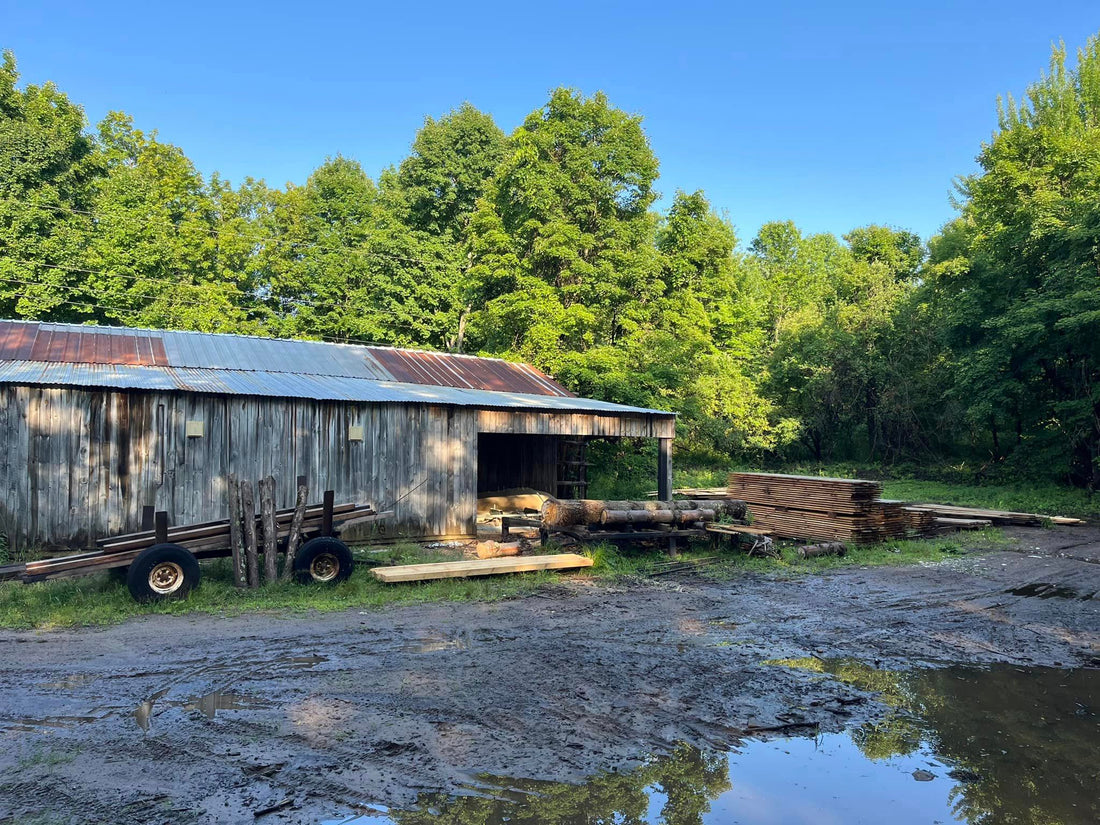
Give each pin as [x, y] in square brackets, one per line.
[811, 507]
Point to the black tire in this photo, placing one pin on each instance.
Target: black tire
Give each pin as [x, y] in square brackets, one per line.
[163, 572]
[323, 560]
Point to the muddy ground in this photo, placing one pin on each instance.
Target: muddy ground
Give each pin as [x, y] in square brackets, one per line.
[202, 719]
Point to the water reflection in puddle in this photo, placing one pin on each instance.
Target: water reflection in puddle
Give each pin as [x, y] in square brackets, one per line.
[969, 745]
[210, 703]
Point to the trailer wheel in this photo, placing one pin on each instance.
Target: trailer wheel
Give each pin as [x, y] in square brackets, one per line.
[163, 572]
[324, 559]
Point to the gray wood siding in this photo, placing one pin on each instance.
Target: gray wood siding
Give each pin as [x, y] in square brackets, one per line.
[627, 425]
[77, 464]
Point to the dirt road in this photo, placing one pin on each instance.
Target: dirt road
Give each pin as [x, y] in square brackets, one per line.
[201, 719]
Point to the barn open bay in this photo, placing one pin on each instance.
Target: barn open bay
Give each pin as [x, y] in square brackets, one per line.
[412, 710]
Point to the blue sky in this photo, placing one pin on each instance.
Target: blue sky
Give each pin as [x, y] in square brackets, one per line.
[833, 114]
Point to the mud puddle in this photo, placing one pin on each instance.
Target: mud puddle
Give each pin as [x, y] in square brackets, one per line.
[957, 744]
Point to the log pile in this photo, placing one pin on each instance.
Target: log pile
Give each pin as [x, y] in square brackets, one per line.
[557, 513]
[809, 507]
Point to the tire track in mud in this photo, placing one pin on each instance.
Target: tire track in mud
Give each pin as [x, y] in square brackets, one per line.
[339, 711]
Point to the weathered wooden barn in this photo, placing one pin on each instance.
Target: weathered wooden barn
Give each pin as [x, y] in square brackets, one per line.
[97, 422]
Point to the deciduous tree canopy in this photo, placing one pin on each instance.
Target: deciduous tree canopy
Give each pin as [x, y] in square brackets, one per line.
[545, 245]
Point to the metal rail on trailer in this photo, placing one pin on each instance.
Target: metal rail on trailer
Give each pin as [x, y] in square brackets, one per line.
[206, 540]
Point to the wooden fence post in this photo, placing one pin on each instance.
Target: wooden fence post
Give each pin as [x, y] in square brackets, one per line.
[234, 490]
[326, 513]
[248, 514]
[295, 535]
[271, 543]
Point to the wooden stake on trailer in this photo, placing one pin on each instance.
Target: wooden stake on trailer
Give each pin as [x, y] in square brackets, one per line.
[326, 517]
[295, 535]
[160, 526]
[267, 519]
[147, 514]
[234, 489]
[248, 514]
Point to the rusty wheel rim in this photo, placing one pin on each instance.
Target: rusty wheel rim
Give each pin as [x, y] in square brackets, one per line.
[324, 567]
[166, 578]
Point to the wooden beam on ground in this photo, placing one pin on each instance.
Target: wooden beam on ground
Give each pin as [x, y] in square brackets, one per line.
[479, 567]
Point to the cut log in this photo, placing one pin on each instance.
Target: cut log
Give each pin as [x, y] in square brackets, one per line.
[496, 549]
[829, 548]
[638, 517]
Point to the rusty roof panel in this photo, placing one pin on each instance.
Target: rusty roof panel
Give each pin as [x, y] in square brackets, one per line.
[66, 354]
[68, 344]
[17, 341]
[443, 370]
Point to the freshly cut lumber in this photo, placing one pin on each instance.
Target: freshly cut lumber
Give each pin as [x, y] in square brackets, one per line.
[850, 496]
[479, 567]
[737, 529]
[963, 523]
[695, 492]
[999, 517]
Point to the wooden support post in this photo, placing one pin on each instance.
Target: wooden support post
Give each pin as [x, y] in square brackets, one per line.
[267, 518]
[234, 489]
[248, 515]
[160, 527]
[295, 535]
[326, 513]
[147, 516]
[664, 469]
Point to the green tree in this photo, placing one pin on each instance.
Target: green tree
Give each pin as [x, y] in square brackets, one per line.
[47, 167]
[340, 263]
[564, 264]
[1025, 319]
[168, 250]
[452, 160]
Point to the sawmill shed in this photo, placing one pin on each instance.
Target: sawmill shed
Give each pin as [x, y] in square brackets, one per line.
[98, 422]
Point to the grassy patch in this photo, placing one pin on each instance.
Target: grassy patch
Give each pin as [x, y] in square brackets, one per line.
[908, 551]
[97, 600]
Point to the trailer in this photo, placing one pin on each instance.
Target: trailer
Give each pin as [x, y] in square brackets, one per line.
[160, 563]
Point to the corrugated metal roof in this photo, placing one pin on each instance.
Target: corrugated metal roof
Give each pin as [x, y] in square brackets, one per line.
[290, 385]
[124, 358]
[72, 344]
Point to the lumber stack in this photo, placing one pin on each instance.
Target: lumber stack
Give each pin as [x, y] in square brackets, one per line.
[828, 509]
[998, 517]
